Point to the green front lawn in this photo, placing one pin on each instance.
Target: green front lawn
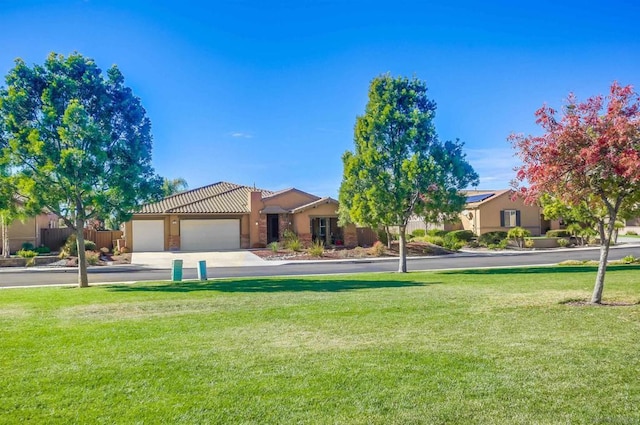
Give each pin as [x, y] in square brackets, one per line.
[469, 347]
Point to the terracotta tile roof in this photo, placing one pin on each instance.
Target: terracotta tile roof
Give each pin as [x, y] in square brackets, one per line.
[221, 197]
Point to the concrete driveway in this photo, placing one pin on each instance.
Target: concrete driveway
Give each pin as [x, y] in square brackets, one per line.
[164, 260]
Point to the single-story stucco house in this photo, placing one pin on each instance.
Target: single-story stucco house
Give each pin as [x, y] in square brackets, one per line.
[230, 216]
[28, 230]
[496, 210]
[489, 211]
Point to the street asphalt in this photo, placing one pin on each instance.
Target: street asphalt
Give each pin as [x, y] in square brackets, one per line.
[465, 260]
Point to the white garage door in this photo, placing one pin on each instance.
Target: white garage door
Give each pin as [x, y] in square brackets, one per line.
[148, 235]
[203, 235]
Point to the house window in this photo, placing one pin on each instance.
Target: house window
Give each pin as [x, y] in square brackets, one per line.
[509, 218]
[322, 233]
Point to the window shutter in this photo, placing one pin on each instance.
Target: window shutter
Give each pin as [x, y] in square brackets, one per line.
[518, 218]
[502, 218]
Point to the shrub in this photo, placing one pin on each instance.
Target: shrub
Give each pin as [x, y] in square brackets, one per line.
[294, 245]
[500, 245]
[27, 246]
[116, 251]
[124, 249]
[529, 243]
[460, 235]
[382, 236]
[632, 233]
[274, 247]
[288, 235]
[435, 240]
[359, 252]
[453, 245]
[28, 255]
[316, 249]
[104, 250]
[473, 244]
[629, 259]
[378, 249]
[457, 239]
[557, 234]
[437, 232]
[93, 258]
[563, 243]
[418, 233]
[42, 249]
[518, 234]
[492, 238]
[70, 247]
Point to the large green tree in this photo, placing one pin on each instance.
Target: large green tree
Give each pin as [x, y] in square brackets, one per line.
[79, 142]
[399, 168]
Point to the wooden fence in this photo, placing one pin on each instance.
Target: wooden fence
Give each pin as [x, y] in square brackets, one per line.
[55, 238]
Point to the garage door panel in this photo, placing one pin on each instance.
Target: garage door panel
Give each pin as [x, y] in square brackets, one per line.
[148, 235]
[203, 235]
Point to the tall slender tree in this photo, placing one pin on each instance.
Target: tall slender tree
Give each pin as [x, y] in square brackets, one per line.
[590, 153]
[79, 142]
[399, 168]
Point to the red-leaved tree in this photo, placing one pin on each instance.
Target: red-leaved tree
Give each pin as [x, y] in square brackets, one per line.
[592, 151]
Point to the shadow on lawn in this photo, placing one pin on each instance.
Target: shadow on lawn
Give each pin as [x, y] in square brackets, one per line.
[544, 270]
[269, 285]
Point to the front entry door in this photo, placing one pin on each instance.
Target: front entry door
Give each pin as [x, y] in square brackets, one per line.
[273, 230]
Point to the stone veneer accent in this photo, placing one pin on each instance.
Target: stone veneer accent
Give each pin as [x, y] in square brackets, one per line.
[350, 236]
[306, 239]
[283, 224]
[262, 230]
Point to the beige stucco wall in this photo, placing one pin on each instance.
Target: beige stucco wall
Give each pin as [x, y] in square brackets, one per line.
[20, 232]
[486, 217]
[302, 220]
[289, 200]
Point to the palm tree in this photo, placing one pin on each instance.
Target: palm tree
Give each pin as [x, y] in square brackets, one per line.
[173, 186]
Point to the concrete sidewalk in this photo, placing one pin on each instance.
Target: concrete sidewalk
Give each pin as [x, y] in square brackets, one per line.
[163, 260]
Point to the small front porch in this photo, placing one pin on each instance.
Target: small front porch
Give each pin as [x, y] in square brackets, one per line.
[326, 229]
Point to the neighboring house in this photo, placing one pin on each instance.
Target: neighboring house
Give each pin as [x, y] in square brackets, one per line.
[230, 216]
[489, 211]
[28, 230]
[631, 225]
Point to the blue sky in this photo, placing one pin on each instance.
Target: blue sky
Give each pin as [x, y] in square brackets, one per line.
[268, 92]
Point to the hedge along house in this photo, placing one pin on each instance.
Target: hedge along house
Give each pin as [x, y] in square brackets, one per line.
[225, 216]
[489, 211]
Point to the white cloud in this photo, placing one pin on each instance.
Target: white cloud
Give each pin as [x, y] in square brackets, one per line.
[241, 135]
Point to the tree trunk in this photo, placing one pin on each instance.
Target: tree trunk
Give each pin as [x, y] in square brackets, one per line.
[605, 242]
[402, 246]
[83, 280]
[5, 237]
[386, 229]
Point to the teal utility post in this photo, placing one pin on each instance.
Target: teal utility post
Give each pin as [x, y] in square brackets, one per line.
[202, 270]
[176, 270]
